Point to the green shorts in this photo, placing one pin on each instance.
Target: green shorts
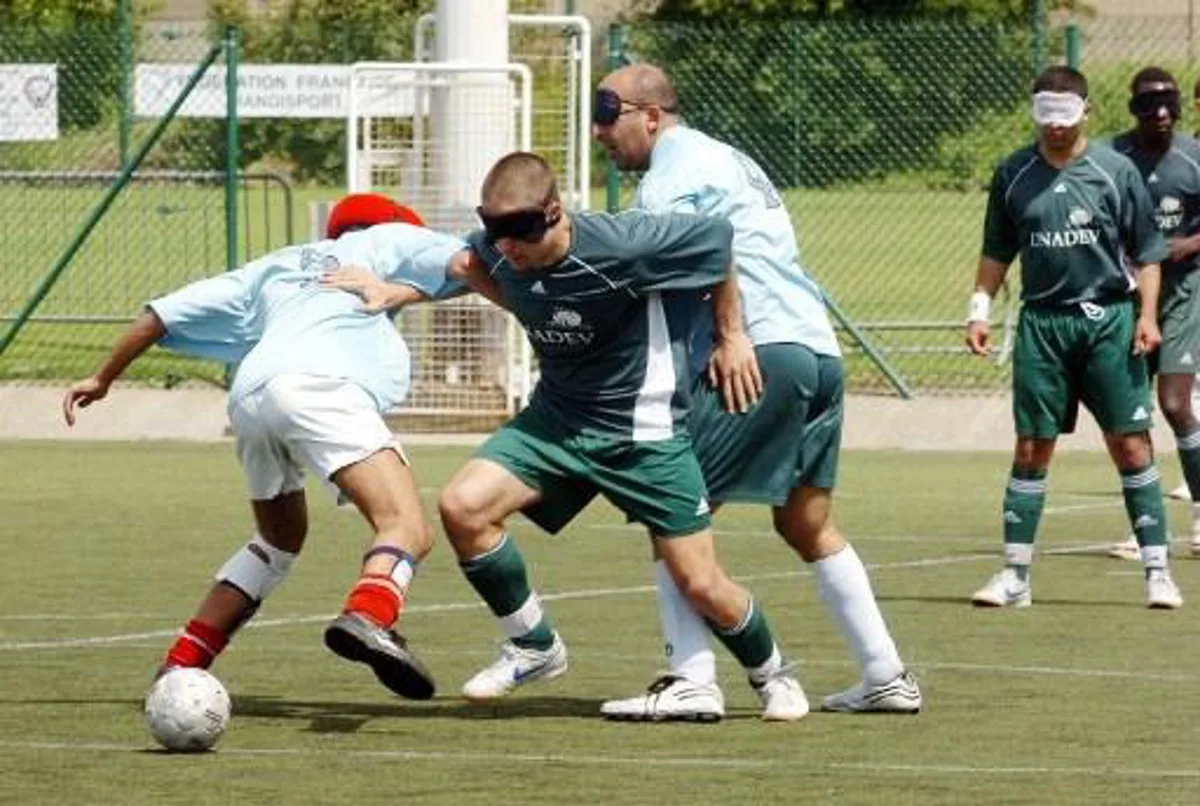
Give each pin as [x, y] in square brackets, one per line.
[790, 438]
[655, 483]
[1069, 355]
[1179, 318]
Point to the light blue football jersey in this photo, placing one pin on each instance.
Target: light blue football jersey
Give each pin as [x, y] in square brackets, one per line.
[691, 172]
[272, 317]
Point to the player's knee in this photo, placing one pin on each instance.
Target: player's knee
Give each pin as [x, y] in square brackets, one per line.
[462, 510]
[1177, 409]
[704, 588]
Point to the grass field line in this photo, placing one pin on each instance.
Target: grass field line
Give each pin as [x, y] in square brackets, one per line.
[589, 593]
[642, 761]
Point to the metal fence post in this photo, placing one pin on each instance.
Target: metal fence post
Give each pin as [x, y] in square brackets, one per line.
[97, 212]
[1037, 29]
[612, 177]
[124, 87]
[231, 148]
[1073, 46]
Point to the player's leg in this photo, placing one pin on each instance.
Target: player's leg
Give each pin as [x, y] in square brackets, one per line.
[514, 470]
[383, 488]
[276, 487]
[1177, 361]
[1116, 389]
[886, 686]
[1175, 400]
[244, 581]
[1045, 404]
[743, 458]
[660, 485]
[737, 621]
[335, 429]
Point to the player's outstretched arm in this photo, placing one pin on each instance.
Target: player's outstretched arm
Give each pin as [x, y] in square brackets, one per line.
[146, 330]
[1146, 334]
[988, 279]
[733, 367]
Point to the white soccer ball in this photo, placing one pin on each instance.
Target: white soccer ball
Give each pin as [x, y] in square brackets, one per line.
[187, 710]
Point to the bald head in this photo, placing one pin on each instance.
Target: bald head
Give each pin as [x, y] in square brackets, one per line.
[520, 180]
[642, 84]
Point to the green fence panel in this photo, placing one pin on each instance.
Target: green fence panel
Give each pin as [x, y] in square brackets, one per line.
[85, 114]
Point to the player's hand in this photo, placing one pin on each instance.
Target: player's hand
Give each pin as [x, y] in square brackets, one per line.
[83, 394]
[1146, 336]
[978, 334]
[733, 370]
[1179, 249]
[361, 282]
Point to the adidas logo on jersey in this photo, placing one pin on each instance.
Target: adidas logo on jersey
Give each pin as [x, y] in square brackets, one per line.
[1186, 359]
[1060, 188]
[1011, 517]
[537, 288]
[1152, 179]
[1145, 522]
[1140, 414]
[702, 508]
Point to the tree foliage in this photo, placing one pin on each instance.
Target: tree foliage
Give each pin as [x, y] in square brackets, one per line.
[308, 32]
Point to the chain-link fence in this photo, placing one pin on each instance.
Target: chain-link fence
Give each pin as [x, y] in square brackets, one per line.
[77, 106]
[881, 136]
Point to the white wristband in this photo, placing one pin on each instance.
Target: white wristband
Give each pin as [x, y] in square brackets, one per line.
[979, 309]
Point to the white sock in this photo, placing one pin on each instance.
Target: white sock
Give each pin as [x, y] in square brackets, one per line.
[1154, 558]
[685, 634]
[846, 591]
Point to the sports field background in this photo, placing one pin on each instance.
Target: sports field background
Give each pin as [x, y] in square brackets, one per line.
[1087, 697]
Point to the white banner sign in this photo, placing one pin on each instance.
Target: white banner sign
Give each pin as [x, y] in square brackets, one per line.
[273, 91]
[28, 102]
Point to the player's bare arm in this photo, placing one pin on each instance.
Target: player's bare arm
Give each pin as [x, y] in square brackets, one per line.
[989, 276]
[146, 330]
[1146, 333]
[733, 367]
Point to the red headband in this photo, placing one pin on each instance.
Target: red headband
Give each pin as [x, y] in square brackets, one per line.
[367, 210]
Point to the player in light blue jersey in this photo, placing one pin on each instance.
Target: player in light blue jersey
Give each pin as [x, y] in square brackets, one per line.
[315, 373]
[783, 451]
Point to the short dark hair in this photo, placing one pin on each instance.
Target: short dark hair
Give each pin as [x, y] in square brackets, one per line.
[1151, 75]
[1061, 78]
[522, 179]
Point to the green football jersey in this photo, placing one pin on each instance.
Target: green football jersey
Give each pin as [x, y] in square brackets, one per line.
[1173, 180]
[1074, 228]
[610, 322]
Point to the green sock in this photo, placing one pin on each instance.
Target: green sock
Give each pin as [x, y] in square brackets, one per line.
[1188, 446]
[1024, 498]
[751, 641]
[1144, 504]
[499, 578]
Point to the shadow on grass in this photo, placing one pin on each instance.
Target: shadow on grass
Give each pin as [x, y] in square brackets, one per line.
[965, 602]
[348, 717]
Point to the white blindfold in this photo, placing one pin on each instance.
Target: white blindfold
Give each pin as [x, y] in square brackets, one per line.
[1058, 109]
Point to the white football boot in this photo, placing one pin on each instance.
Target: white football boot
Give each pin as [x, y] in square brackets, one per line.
[900, 695]
[670, 699]
[1162, 592]
[516, 666]
[781, 696]
[1181, 493]
[1004, 589]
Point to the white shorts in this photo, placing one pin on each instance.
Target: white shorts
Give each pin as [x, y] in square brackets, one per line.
[298, 420]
